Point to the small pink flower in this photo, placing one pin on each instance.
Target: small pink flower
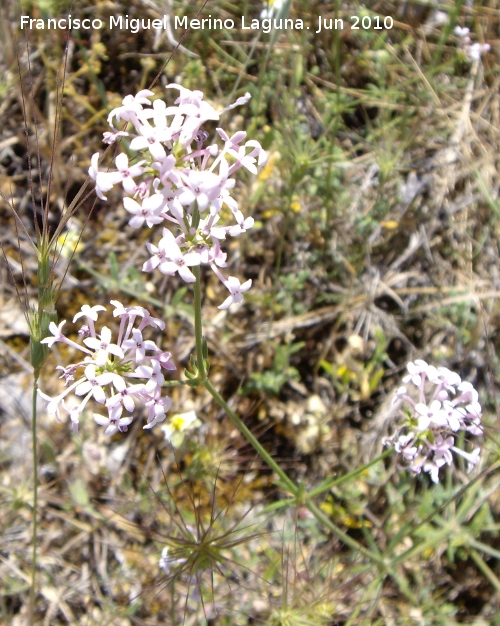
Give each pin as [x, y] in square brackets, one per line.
[103, 346]
[94, 384]
[472, 458]
[151, 139]
[236, 289]
[169, 258]
[114, 422]
[415, 370]
[128, 172]
[202, 187]
[125, 394]
[149, 211]
[138, 345]
[131, 107]
[153, 375]
[56, 332]
[157, 408]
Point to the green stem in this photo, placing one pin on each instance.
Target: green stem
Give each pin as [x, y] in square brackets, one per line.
[286, 481]
[344, 537]
[329, 484]
[263, 453]
[198, 325]
[485, 569]
[35, 498]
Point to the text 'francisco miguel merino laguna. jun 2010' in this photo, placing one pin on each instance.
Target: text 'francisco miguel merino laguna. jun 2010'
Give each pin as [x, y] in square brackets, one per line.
[166, 22]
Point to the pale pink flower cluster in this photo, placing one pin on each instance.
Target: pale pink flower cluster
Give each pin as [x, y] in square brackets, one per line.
[175, 178]
[437, 406]
[472, 50]
[116, 375]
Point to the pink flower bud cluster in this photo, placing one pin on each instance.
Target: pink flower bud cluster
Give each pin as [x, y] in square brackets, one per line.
[175, 178]
[115, 375]
[437, 406]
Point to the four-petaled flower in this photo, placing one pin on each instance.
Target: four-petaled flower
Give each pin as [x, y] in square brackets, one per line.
[169, 259]
[94, 384]
[114, 421]
[236, 289]
[103, 346]
[149, 211]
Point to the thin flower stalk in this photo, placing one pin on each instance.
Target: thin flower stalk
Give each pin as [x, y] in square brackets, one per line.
[286, 482]
[47, 249]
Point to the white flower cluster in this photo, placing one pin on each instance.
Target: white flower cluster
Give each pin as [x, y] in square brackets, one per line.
[175, 178]
[445, 405]
[472, 50]
[115, 375]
